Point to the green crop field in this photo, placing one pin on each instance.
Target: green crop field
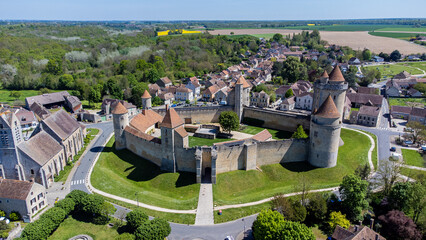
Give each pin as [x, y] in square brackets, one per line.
[404, 36]
[349, 28]
[246, 186]
[266, 36]
[403, 29]
[127, 175]
[6, 98]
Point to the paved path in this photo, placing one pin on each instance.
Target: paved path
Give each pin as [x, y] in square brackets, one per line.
[413, 167]
[205, 205]
[370, 151]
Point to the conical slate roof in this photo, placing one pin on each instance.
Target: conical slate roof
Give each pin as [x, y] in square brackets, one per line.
[119, 109]
[328, 109]
[336, 75]
[146, 94]
[172, 119]
[242, 80]
[325, 74]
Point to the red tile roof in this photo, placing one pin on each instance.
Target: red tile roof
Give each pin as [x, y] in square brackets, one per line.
[15, 189]
[146, 94]
[328, 109]
[171, 119]
[336, 75]
[242, 81]
[119, 109]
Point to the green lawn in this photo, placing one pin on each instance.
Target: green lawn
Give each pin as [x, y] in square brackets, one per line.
[196, 141]
[247, 186]
[411, 102]
[413, 158]
[390, 70]
[276, 134]
[266, 36]
[5, 98]
[374, 153]
[170, 217]
[71, 228]
[63, 175]
[403, 29]
[418, 175]
[86, 105]
[124, 174]
[236, 213]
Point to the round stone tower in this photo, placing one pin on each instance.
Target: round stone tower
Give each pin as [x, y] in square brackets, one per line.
[325, 135]
[334, 86]
[120, 120]
[146, 100]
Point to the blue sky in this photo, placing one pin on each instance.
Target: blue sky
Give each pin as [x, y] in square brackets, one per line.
[209, 10]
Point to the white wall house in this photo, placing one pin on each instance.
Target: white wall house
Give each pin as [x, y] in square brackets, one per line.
[183, 94]
[304, 101]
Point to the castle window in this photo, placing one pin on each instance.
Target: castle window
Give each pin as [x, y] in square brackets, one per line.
[32, 171]
[334, 97]
[317, 155]
[315, 134]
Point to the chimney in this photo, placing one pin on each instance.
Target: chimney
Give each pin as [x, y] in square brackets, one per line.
[360, 223]
[372, 223]
[377, 236]
[356, 228]
[167, 107]
[143, 111]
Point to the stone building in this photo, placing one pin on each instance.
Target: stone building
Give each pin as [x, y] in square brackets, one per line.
[259, 99]
[25, 197]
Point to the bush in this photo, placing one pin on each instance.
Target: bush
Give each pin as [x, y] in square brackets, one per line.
[77, 196]
[66, 204]
[100, 220]
[55, 214]
[2, 213]
[337, 218]
[136, 218]
[316, 209]
[92, 204]
[162, 227]
[145, 232]
[38, 230]
[3, 225]
[125, 236]
[14, 216]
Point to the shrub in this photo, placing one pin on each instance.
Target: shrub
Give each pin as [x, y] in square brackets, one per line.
[3, 225]
[66, 204]
[162, 227]
[337, 218]
[125, 236]
[77, 196]
[316, 209]
[38, 230]
[2, 213]
[145, 232]
[55, 214]
[136, 218]
[14, 216]
[100, 220]
[92, 204]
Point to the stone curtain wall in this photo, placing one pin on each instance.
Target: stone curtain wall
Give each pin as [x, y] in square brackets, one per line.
[146, 149]
[199, 114]
[247, 157]
[278, 119]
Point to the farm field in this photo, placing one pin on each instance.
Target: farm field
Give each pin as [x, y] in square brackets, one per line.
[355, 40]
[5, 98]
[411, 102]
[349, 28]
[390, 70]
[246, 186]
[401, 29]
[398, 35]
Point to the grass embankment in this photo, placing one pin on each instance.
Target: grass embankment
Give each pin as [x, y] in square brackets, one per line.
[374, 153]
[71, 228]
[127, 175]
[390, 70]
[196, 141]
[248, 186]
[411, 102]
[418, 175]
[276, 134]
[236, 213]
[413, 158]
[5, 95]
[63, 175]
[170, 217]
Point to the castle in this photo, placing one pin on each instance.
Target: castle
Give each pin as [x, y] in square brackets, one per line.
[161, 137]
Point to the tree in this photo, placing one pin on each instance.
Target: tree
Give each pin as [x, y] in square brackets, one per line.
[396, 225]
[55, 214]
[229, 121]
[156, 101]
[136, 218]
[316, 209]
[395, 55]
[418, 199]
[94, 95]
[107, 209]
[125, 236]
[66, 81]
[337, 218]
[270, 225]
[2, 213]
[419, 130]
[162, 227]
[353, 191]
[121, 215]
[400, 195]
[277, 37]
[145, 232]
[15, 94]
[14, 216]
[67, 204]
[366, 55]
[77, 196]
[92, 204]
[54, 67]
[38, 230]
[363, 171]
[299, 133]
[289, 93]
[293, 70]
[388, 175]
[291, 209]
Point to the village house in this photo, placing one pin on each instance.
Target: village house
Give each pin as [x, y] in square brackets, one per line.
[304, 101]
[378, 59]
[356, 232]
[354, 61]
[184, 94]
[367, 116]
[359, 99]
[25, 197]
[367, 90]
[195, 86]
[418, 115]
[55, 100]
[154, 89]
[210, 92]
[259, 99]
[27, 119]
[400, 112]
[167, 98]
[109, 104]
[288, 104]
[164, 82]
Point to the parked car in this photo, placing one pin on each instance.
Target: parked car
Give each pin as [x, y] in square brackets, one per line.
[408, 142]
[393, 149]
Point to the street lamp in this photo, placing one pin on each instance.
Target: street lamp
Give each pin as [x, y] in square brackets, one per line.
[244, 232]
[136, 195]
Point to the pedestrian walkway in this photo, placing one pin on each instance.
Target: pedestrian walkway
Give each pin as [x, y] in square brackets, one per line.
[77, 182]
[205, 205]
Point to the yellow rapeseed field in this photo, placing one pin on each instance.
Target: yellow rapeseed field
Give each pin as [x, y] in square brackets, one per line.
[163, 33]
[166, 33]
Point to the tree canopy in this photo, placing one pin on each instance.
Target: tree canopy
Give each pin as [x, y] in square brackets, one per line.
[229, 121]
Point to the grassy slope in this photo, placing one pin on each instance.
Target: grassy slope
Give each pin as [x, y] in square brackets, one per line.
[405, 101]
[413, 158]
[390, 70]
[123, 173]
[4, 95]
[247, 186]
[196, 141]
[236, 213]
[276, 134]
[419, 175]
[374, 153]
[71, 227]
[404, 36]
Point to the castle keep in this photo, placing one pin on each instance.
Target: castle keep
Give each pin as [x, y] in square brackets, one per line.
[160, 136]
